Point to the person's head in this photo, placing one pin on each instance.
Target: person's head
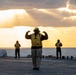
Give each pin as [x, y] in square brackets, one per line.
[17, 41]
[58, 40]
[36, 30]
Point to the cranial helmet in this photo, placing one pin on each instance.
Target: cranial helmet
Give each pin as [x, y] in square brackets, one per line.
[36, 29]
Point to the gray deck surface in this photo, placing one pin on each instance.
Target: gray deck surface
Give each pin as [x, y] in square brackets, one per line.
[23, 66]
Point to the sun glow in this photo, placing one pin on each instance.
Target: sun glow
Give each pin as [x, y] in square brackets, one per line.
[9, 13]
[12, 17]
[7, 17]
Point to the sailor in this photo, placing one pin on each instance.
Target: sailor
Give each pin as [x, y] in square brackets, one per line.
[36, 46]
[58, 49]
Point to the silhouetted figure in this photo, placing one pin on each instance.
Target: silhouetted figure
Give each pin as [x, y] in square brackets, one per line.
[58, 49]
[71, 57]
[67, 57]
[63, 57]
[17, 49]
[36, 48]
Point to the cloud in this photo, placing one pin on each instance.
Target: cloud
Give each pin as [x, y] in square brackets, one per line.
[8, 4]
[73, 2]
[37, 17]
[28, 4]
[53, 13]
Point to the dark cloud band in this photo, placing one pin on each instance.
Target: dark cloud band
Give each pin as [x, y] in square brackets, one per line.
[8, 4]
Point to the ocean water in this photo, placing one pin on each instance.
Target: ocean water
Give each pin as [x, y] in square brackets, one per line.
[45, 51]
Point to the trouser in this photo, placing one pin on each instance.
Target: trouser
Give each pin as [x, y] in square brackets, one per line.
[17, 53]
[58, 52]
[36, 57]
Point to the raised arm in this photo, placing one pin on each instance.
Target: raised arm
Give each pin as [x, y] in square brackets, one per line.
[27, 36]
[44, 37]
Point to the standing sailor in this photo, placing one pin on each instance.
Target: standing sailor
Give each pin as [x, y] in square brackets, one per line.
[36, 48]
[58, 49]
[17, 49]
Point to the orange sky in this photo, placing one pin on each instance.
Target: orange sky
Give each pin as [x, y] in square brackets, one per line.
[8, 36]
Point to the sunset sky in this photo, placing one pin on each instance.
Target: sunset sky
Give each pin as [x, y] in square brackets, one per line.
[56, 17]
